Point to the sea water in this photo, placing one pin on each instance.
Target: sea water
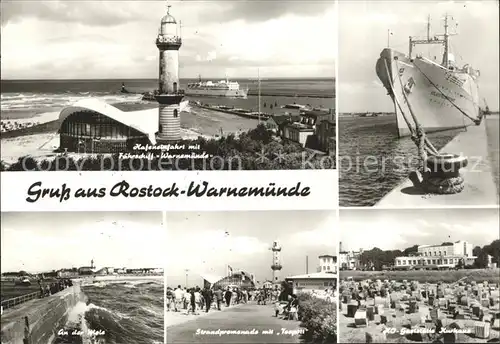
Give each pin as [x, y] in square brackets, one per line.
[115, 312]
[373, 160]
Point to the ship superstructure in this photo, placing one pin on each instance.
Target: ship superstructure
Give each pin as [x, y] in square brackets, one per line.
[222, 88]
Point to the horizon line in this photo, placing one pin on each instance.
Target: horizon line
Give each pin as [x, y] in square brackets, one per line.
[209, 77]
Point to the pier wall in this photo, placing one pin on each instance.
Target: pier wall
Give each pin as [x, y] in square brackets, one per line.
[38, 321]
[480, 188]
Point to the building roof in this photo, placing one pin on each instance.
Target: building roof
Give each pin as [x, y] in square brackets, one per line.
[280, 119]
[211, 278]
[168, 19]
[326, 255]
[316, 275]
[144, 121]
[440, 245]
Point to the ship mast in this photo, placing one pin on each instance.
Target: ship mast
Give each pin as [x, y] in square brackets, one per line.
[446, 41]
[258, 76]
[433, 40]
[429, 27]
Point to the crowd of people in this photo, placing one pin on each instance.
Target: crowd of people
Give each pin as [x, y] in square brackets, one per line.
[8, 125]
[54, 287]
[193, 300]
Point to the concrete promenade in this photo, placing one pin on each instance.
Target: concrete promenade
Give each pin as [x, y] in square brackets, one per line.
[243, 317]
[480, 188]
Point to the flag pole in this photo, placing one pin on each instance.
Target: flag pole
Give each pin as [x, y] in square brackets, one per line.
[388, 34]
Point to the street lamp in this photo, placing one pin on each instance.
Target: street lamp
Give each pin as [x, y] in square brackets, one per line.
[187, 270]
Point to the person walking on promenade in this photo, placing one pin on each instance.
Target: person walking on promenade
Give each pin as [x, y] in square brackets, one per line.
[179, 296]
[170, 299]
[193, 301]
[207, 296]
[227, 295]
[198, 298]
[219, 296]
[187, 298]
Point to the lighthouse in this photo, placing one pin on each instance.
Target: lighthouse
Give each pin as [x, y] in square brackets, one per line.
[276, 266]
[169, 95]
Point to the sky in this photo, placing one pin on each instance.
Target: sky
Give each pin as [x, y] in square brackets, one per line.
[398, 229]
[363, 28]
[199, 242]
[115, 39]
[37, 242]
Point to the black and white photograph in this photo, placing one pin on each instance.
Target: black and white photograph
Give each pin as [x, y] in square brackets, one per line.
[432, 277]
[418, 103]
[168, 85]
[81, 277]
[251, 277]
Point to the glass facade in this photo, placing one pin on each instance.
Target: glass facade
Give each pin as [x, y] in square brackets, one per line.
[92, 124]
[92, 132]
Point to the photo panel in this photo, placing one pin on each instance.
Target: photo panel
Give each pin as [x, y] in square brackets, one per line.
[175, 85]
[82, 277]
[419, 275]
[251, 277]
[418, 103]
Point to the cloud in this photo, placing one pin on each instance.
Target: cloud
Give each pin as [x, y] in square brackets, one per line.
[198, 247]
[211, 56]
[261, 11]
[399, 229]
[72, 41]
[93, 13]
[73, 243]
[208, 242]
[363, 29]
[324, 234]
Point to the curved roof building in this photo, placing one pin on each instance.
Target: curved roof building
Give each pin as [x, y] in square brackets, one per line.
[239, 279]
[93, 126]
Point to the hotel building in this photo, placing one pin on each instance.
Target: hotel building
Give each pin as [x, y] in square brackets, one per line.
[446, 255]
[320, 282]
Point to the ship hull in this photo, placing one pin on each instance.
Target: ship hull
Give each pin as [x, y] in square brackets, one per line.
[216, 93]
[441, 99]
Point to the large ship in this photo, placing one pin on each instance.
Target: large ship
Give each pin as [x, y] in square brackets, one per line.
[222, 88]
[440, 96]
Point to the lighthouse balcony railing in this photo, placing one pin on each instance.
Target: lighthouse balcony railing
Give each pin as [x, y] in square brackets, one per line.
[173, 94]
[168, 39]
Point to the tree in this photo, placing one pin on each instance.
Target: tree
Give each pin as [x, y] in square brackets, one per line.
[408, 251]
[481, 261]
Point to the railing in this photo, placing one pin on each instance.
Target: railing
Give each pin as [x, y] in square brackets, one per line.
[168, 39]
[19, 299]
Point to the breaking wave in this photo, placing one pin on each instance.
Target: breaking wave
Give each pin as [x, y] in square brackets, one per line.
[117, 312]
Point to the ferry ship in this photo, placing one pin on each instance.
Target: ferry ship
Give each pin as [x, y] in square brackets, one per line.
[222, 88]
[440, 96]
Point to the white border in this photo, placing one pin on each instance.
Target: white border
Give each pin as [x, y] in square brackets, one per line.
[323, 185]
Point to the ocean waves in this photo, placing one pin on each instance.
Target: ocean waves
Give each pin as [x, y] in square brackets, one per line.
[41, 102]
[372, 160]
[119, 312]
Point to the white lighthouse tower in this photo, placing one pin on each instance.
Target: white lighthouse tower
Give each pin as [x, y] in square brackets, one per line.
[276, 266]
[169, 95]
